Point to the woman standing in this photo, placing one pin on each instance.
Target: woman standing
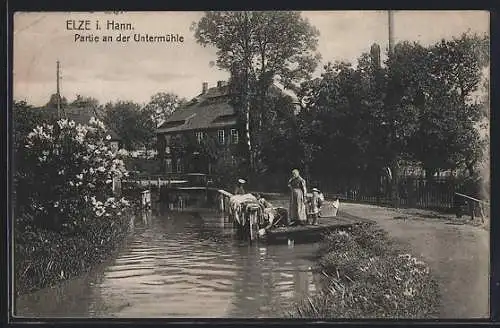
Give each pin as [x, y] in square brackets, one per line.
[298, 190]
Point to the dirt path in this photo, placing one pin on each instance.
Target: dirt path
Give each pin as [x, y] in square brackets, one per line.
[457, 252]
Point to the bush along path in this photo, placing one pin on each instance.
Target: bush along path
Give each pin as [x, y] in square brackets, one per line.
[364, 274]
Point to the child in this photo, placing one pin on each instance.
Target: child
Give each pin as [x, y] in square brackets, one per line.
[315, 205]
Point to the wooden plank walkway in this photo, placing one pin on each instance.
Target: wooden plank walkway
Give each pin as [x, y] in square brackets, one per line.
[314, 232]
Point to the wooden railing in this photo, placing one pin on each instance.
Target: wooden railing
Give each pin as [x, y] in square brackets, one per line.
[174, 179]
[224, 197]
[247, 224]
[474, 204]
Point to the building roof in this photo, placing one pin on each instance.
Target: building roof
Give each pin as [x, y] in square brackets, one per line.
[207, 111]
[81, 115]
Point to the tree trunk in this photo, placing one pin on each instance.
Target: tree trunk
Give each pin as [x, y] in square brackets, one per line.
[395, 183]
[470, 169]
[247, 97]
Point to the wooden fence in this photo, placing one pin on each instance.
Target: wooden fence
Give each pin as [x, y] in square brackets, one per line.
[414, 192]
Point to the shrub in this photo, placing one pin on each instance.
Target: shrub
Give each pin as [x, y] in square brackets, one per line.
[364, 276]
[64, 176]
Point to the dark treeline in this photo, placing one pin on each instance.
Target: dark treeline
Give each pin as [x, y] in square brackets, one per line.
[354, 121]
[346, 126]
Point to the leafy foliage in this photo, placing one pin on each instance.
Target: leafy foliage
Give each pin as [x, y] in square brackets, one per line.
[52, 103]
[65, 181]
[162, 105]
[82, 101]
[419, 107]
[132, 122]
[257, 48]
[448, 137]
[273, 43]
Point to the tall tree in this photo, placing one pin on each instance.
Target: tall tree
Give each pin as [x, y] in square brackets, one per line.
[52, 103]
[81, 101]
[162, 105]
[257, 47]
[132, 123]
[336, 129]
[448, 135]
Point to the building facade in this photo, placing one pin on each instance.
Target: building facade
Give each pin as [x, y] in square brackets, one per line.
[210, 116]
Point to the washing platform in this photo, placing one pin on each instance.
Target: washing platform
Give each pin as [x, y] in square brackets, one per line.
[313, 233]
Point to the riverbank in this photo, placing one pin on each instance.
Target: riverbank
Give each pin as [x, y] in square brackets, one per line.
[457, 251]
[43, 258]
[364, 274]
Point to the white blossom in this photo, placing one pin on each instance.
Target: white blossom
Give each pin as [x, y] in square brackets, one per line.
[80, 138]
[62, 123]
[122, 152]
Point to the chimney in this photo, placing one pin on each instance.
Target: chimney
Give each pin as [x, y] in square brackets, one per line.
[375, 55]
[204, 87]
[220, 84]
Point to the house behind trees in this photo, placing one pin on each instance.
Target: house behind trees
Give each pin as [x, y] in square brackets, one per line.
[209, 115]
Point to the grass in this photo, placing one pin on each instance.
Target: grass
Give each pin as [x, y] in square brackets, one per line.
[43, 258]
[365, 275]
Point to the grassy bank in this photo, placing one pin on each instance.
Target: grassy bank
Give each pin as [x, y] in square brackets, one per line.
[43, 258]
[364, 274]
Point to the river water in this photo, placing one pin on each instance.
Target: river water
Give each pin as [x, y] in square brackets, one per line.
[181, 264]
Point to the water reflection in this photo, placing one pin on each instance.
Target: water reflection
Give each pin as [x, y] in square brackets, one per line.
[184, 265]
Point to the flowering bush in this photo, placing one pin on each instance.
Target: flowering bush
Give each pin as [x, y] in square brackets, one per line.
[67, 175]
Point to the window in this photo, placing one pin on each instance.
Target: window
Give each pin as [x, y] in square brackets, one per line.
[233, 161]
[234, 136]
[179, 166]
[199, 136]
[220, 134]
[168, 165]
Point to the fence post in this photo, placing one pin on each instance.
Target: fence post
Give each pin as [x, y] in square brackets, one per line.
[411, 192]
[117, 188]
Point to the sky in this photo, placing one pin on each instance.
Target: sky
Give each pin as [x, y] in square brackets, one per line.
[111, 71]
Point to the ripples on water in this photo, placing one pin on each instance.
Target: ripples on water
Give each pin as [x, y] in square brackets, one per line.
[184, 265]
